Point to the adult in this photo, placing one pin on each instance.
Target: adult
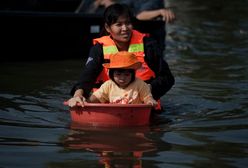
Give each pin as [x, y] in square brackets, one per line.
[154, 71]
[147, 10]
[143, 9]
[150, 10]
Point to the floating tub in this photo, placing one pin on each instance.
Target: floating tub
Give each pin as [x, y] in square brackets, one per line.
[97, 114]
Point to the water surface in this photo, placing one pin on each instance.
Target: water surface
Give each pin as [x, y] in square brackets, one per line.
[206, 113]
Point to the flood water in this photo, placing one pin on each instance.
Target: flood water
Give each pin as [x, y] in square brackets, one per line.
[205, 122]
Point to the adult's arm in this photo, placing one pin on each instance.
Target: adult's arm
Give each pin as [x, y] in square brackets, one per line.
[90, 71]
[164, 78]
[149, 10]
[166, 14]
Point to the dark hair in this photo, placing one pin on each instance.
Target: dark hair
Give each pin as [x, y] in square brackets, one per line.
[113, 12]
[112, 70]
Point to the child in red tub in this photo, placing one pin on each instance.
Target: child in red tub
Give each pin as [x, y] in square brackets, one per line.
[123, 87]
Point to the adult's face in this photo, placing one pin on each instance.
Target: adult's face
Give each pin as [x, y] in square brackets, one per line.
[120, 31]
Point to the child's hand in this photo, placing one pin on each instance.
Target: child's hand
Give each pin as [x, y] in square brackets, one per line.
[153, 102]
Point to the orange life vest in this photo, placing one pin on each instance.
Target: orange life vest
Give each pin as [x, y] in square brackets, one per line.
[136, 46]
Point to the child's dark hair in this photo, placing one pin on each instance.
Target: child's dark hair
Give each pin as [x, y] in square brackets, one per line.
[112, 70]
[113, 12]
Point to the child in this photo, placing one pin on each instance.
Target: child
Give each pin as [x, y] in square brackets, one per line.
[123, 87]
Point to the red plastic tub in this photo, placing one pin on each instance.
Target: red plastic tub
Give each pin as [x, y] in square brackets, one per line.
[96, 114]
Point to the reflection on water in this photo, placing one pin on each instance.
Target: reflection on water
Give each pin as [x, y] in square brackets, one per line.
[206, 112]
[114, 147]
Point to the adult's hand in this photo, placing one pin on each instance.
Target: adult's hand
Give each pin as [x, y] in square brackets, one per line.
[167, 15]
[72, 102]
[152, 102]
[77, 98]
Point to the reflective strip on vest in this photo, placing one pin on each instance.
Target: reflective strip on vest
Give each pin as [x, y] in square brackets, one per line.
[107, 50]
[136, 48]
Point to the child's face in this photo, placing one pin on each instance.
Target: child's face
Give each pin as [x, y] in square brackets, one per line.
[122, 77]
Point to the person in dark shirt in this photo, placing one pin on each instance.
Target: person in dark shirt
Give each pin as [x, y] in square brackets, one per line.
[142, 9]
[150, 10]
[118, 24]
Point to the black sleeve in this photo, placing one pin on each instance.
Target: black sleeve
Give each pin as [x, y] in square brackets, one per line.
[90, 71]
[164, 79]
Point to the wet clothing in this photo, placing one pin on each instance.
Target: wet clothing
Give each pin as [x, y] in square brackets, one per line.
[153, 57]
